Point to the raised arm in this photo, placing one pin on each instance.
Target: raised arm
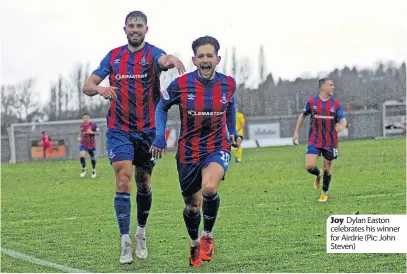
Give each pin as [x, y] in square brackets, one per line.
[169, 62]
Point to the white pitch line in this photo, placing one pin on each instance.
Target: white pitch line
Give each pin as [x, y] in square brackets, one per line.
[41, 262]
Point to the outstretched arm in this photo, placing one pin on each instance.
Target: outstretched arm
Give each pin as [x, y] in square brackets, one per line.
[169, 62]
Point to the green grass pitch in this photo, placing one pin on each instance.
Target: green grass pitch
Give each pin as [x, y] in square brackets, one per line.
[269, 219]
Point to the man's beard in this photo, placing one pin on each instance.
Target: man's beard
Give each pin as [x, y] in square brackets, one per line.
[135, 44]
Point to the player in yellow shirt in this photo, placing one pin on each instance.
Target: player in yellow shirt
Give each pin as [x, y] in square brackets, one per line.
[240, 122]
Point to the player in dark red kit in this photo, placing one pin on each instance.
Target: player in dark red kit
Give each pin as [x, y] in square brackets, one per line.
[46, 145]
[88, 143]
[327, 119]
[208, 128]
[134, 75]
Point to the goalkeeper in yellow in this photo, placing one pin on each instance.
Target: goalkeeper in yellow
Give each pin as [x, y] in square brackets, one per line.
[240, 122]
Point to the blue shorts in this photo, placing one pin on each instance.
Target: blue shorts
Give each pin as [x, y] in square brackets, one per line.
[190, 175]
[130, 145]
[328, 154]
[89, 150]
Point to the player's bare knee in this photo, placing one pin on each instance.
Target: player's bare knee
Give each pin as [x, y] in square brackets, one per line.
[209, 189]
[144, 184]
[210, 183]
[327, 171]
[192, 209]
[143, 180]
[211, 179]
[123, 180]
[310, 166]
[123, 187]
[123, 183]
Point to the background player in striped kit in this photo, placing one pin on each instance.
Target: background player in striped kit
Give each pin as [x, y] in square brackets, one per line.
[134, 75]
[207, 108]
[327, 119]
[88, 143]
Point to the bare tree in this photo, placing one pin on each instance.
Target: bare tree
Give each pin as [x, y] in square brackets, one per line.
[26, 102]
[234, 63]
[52, 106]
[244, 71]
[8, 111]
[262, 63]
[60, 97]
[67, 97]
[78, 82]
[8, 99]
[225, 62]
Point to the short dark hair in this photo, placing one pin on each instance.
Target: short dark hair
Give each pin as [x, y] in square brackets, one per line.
[322, 81]
[135, 14]
[204, 40]
[85, 113]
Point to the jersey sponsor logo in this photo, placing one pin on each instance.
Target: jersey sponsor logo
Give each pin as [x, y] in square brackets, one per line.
[205, 113]
[116, 61]
[131, 76]
[166, 96]
[191, 97]
[316, 116]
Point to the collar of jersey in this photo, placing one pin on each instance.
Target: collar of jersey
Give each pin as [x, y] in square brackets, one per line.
[206, 82]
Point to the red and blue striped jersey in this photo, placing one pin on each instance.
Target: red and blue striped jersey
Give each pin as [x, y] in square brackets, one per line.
[88, 140]
[137, 78]
[324, 116]
[203, 106]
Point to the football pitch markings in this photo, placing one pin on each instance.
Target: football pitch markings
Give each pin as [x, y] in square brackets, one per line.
[41, 262]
